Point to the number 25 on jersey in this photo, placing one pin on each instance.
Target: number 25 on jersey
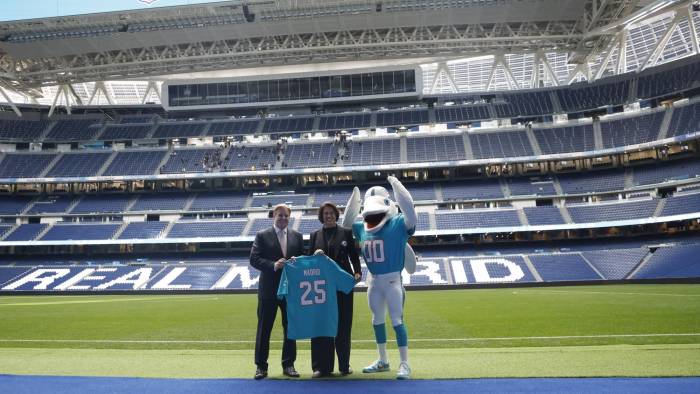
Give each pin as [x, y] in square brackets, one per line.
[318, 288]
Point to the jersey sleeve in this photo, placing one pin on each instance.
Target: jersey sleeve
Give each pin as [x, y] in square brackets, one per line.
[283, 288]
[401, 226]
[357, 229]
[343, 281]
[398, 228]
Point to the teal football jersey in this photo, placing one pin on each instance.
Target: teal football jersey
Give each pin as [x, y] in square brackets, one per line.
[309, 285]
[383, 251]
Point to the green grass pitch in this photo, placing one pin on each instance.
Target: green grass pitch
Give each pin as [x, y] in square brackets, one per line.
[610, 330]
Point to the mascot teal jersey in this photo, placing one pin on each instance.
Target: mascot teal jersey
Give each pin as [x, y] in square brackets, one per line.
[309, 285]
[381, 257]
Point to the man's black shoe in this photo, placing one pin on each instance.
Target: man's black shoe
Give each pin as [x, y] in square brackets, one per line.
[346, 373]
[260, 374]
[290, 371]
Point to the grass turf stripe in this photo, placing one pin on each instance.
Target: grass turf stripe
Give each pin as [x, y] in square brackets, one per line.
[572, 361]
[692, 334]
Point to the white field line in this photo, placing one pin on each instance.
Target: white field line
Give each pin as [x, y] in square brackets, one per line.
[106, 300]
[601, 292]
[116, 341]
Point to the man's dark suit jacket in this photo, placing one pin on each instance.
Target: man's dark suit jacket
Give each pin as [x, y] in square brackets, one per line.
[341, 248]
[266, 250]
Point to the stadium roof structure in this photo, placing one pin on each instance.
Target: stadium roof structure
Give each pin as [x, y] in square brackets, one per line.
[462, 45]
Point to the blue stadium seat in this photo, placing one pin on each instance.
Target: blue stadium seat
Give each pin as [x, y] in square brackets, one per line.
[531, 186]
[593, 181]
[512, 105]
[563, 267]
[25, 165]
[385, 151]
[543, 215]
[78, 164]
[669, 171]
[238, 127]
[288, 124]
[14, 205]
[74, 130]
[121, 132]
[163, 201]
[187, 160]
[423, 223]
[631, 131]
[26, 232]
[310, 155]
[201, 277]
[143, 230]
[103, 203]
[500, 144]
[80, 232]
[660, 83]
[219, 201]
[421, 191]
[128, 119]
[679, 261]
[336, 196]
[594, 213]
[174, 130]
[484, 218]
[583, 96]
[8, 274]
[615, 263]
[344, 121]
[4, 229]
[52, 204]
[438, 148]
[18, 129]
[462, 113]
[402, 118]
[472, 190]
[250, 158]
[196, 229]
[135, 163]
[680, 204]
[308, 224]
[685, 120]
[565, 139]
[265, 201]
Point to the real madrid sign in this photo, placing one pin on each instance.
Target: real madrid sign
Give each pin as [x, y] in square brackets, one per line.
[240, 276]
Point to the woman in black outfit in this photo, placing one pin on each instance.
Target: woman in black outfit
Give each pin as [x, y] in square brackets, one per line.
[338, 244]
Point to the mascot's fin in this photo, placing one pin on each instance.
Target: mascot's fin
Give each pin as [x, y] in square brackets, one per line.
[409, 263]
[352, 208]
[404, 201]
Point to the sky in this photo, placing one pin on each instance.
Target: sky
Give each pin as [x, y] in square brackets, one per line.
[31, 9]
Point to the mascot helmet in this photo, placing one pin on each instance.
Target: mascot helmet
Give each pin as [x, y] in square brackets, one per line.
[378, 208]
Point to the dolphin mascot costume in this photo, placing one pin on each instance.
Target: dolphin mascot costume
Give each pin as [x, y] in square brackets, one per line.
[382, 235]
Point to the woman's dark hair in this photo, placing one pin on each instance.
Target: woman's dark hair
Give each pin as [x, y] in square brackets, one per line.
[329, 205]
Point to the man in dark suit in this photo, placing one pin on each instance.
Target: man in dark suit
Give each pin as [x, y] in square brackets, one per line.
[271, 249]
[338, 244]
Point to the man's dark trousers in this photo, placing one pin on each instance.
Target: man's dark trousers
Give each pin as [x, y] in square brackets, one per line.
[267, 310]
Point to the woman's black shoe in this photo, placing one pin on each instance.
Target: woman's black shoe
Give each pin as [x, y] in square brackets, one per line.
[290, 371]
[260, 374]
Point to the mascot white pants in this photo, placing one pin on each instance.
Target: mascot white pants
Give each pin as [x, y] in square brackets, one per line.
[382, 235]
